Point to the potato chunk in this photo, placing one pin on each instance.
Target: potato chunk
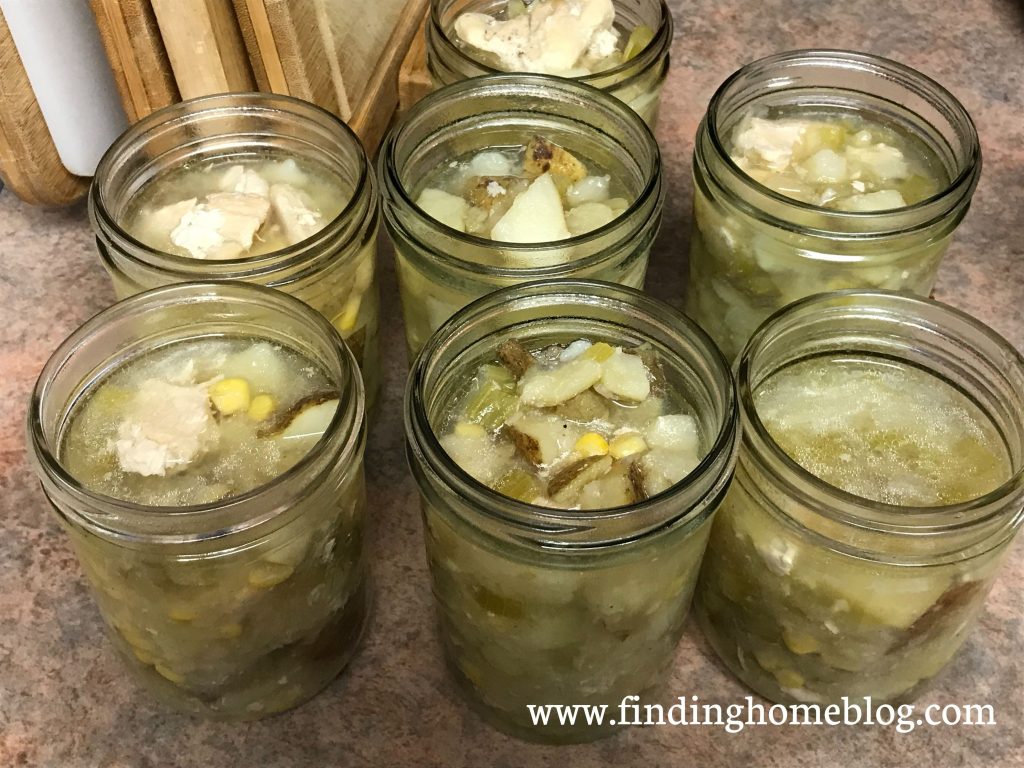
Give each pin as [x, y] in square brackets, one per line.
[535, 216]
[553, 386]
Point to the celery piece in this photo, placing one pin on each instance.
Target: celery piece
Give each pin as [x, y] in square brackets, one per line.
[519, 484]
[514, 9]
[493, 399]
[639, 39]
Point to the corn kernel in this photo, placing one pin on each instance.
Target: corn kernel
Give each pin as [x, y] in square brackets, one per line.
[788, 678]
[265, 575]
[469, 429]
[182, 613]
[261, 407]
[230, 631]
[800, 643]
[170, 674]
[625, 445]
[599, 352]
[230, 395]
[591, 444]
[346, 319]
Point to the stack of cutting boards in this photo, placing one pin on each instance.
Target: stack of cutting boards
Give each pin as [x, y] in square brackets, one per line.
[344, 55]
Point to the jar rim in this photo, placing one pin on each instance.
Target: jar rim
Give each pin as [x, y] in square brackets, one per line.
[250, 103]
[960, 187]
[659, 44]
[843, 506]
[340, 441]
[568, 530]
[393, 184]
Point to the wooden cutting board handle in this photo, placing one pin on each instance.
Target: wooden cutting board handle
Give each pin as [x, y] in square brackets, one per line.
[29, 163]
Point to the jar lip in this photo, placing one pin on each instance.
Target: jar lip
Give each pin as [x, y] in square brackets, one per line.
[252, 103]
[348, 419]
[393, 185]
[866, 512]
[533, 518]
[659, 44]
[958, 187]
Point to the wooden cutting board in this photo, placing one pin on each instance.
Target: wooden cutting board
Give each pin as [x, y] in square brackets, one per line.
[29, 163]
[137, 55]
[333, 53]
[413, 77]
[379, 100]
[205, 46]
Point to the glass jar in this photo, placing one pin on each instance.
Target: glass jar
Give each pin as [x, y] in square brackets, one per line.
[242, 607]
[637, 82]
[754, 250]
[441, 269]
[546, 606]
[809, 593]
[333, 271]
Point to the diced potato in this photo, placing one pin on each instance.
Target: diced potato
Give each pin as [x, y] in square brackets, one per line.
[675, 432]
[310, 420]
[262, 366]
[880, 162]
[826, 166]
[543, 439]
[589, 189]
[548, 387]
[479, 457]
[565, 486]
[588, 217]
[535, 216]
[586, 406]
[490, 163]
[618, 205]
[883, 200]
[614, 489]
[624, 376]
[664, 468]
[446, 208]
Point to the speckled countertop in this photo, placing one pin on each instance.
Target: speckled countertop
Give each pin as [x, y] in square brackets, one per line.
[65, 700]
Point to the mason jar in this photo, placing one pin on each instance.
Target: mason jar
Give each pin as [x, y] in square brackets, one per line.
[812, 590]
[248, 604]
[636, 78]
[755, 249]
[539, 605]
[441, 269]
[333, 270]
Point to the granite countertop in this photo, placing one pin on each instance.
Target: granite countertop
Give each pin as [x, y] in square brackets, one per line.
[65, 699]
